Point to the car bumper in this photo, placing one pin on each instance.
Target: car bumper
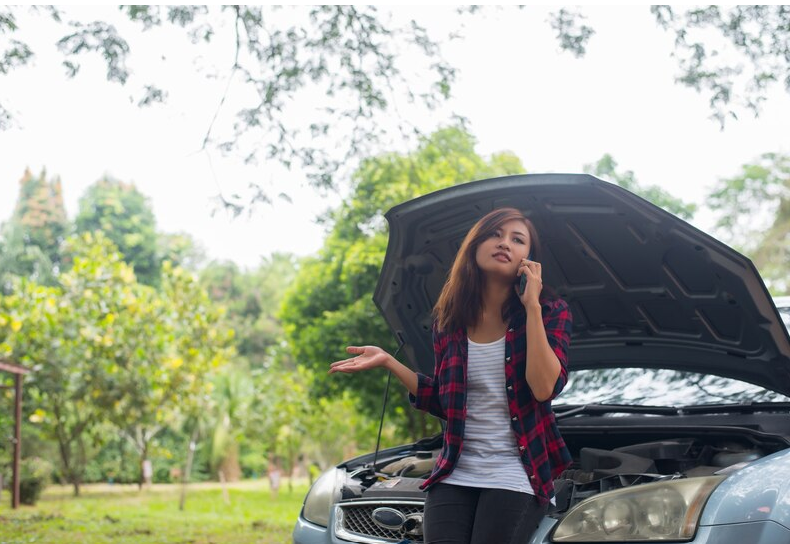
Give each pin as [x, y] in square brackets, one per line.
[761, 532]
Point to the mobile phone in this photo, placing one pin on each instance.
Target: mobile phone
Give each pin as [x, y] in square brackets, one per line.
[522, 283]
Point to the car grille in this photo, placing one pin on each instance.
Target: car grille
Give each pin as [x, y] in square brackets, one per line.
[357, 521]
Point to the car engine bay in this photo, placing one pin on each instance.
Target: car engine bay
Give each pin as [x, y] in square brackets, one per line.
[594, 470]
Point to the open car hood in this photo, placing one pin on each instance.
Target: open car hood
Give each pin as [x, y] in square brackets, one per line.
[646, 288]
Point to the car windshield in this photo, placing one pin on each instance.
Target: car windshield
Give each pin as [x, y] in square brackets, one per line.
[652, 387]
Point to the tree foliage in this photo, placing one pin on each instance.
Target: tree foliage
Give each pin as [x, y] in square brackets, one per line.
[355, 59]
[104, 348]
[240, 422]
[66, 334]
[30, 243]
[262, 406]
[252, 299]
[232, 394]
[757, 35]
[41, 329]
[606, 168]
[181, 249]
[125, 216]
[572, 33]
[330, 306]
[352, 56]
[179, 343]
[753, 209]
[753, 39]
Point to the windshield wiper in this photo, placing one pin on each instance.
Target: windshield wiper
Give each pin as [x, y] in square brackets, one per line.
[570, 410]
[741, 408]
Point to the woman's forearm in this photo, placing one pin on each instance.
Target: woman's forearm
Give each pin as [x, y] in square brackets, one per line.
[367, 357]
[406, 375]
[543, 367]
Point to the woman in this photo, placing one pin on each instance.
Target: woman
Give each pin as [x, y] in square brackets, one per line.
[500, 360]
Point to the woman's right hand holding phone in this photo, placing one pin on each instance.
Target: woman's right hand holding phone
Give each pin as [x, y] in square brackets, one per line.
[532, 271]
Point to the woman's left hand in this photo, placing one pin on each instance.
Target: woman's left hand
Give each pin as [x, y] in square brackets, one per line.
[533, 271]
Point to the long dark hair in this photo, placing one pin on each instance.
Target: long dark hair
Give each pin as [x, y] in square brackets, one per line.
[461, 298]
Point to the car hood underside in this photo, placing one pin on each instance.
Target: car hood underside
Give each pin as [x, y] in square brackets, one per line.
[646, 289]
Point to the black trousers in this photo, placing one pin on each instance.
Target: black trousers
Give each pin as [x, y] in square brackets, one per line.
[468, 515]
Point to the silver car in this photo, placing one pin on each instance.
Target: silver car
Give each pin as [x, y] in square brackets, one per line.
[676, 412]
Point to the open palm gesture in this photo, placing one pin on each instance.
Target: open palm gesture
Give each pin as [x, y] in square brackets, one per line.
[367, 357]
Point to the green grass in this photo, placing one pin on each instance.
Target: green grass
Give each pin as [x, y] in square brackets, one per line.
[120, 514]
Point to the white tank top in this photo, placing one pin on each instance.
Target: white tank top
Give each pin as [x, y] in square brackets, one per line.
[489, 456]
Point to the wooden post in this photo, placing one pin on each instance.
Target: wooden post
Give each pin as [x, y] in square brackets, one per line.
[17, 438]
[18, 372]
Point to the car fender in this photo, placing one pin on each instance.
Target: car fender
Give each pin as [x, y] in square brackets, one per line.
[758, 492]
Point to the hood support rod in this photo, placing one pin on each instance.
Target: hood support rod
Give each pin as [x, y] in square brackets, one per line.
[401, 343]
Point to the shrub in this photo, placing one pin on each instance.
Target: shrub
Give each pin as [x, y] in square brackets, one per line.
[33, 478]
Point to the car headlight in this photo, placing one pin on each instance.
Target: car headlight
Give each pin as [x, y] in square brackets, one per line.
[647, 513]
[321, 497]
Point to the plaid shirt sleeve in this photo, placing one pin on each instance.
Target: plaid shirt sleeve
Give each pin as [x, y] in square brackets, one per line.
[427, 397]
[558, 323]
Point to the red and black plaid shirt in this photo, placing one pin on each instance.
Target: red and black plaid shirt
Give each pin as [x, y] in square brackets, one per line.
[543, 451]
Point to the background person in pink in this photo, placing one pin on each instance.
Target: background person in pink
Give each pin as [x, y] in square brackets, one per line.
[274, 475]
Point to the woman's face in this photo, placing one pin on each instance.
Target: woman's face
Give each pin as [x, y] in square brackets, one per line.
[499, 255]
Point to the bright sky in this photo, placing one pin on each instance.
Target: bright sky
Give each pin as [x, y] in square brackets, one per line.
[517, 89]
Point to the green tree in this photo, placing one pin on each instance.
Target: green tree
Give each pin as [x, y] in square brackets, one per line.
[68, 334]
[297, 426]
[106, 349]
[32, 238]
[756, 37]
[232, 395]
[753, 209]
[330, 305]
[352, 56]
[125, 216]
[252, 299]
[181, 249]
[606, 168]
[178, 343]
[347, 433]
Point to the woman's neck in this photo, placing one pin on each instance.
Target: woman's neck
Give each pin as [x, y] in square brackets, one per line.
[490, 326]
[495, 295]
